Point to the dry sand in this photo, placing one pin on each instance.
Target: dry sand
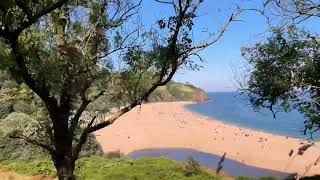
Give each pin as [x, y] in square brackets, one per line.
[171, 125]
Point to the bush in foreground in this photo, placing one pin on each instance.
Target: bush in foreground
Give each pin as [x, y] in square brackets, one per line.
[20, 150]
[192, 167]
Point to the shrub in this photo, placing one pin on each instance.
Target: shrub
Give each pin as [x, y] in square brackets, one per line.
[9, 84]
[91, 147]
[15, 121]
[17, 149]
[114, 154]
[5, 109]
[190, 86]
[23, 107]
[192, 166]
[102, 104]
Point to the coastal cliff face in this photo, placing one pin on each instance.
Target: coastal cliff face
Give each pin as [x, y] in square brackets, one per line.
[175, 91]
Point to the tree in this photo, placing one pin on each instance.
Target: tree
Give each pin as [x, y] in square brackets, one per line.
[284, 74]
[64, 52]
[284, 12]
[283, 71]
[32, 126]
[23, 112]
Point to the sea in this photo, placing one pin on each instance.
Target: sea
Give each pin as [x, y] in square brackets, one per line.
[233, 108]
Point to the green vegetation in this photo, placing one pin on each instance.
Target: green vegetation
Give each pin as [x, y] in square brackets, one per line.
[101, 168]
[30, 168]
[19, 149]
[23, 113]
[192, 167]
[283, 71]
[284, 74]
[175, 91]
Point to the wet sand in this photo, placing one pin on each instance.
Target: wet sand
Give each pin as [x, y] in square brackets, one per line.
[171, 125]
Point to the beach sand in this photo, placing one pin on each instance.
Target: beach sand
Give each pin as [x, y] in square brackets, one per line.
[171, 125]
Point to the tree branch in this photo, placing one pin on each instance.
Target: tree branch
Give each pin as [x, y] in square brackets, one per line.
[134, 103]
[82, 140]
[13, 35]
[295, 10]
[217, 38]
[41, 90]
[34, 142]
[173, 60]
[34, 18]
[121, 45]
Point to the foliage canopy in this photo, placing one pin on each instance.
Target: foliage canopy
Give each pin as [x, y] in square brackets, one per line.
[284, 74]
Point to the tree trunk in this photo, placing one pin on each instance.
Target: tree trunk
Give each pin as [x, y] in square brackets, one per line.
[62, 157]
[65, 167]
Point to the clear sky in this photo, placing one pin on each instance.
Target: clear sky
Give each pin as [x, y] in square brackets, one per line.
[217, 74]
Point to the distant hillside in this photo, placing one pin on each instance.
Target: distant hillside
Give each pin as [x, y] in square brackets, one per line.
[175, 91]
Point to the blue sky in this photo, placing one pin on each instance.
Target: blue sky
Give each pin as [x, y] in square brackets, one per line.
[220, 58]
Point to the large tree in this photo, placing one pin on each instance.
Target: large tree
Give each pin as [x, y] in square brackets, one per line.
[67, 53]
[284, 74]
[283, 71]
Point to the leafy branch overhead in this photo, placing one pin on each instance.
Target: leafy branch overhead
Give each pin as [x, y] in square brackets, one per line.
[283, 75]
[282, 72]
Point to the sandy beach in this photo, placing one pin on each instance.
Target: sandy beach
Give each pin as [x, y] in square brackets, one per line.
[171, 125]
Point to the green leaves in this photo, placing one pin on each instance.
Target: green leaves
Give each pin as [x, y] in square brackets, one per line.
[285, 74]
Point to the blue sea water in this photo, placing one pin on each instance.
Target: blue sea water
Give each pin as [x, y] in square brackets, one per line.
[232, 108]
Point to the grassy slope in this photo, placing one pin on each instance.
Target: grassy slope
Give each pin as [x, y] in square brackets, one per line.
[98, 168]
[175, 91]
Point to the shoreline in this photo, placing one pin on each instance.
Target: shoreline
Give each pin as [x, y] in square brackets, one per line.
[171, 125]
[239, 126]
